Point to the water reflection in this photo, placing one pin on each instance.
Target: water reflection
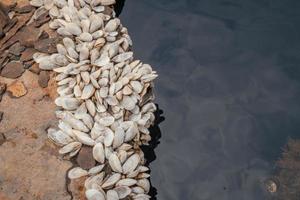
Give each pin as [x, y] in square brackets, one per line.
[229, 87]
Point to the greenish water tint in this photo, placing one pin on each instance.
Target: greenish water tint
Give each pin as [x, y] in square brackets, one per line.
[229, 87]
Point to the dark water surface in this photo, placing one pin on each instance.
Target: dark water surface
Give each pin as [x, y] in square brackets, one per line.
[229, 87]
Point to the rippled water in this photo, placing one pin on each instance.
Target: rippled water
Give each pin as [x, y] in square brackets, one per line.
[229, 89]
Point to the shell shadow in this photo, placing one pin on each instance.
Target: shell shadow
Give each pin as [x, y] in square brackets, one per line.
[118, 7]
[148, 150]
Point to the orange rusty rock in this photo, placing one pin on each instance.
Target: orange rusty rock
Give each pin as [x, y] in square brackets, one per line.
[17, 89]
[76, 187]
[52, 87]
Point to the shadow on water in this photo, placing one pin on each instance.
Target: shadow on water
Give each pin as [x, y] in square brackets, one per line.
[149, 149]
[119, 6]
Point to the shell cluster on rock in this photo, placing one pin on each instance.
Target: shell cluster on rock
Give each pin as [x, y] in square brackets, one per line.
[105, 97]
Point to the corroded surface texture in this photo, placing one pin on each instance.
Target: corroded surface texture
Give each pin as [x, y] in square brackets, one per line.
[29, 165]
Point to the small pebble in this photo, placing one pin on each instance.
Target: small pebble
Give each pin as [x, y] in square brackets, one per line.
[43, 79]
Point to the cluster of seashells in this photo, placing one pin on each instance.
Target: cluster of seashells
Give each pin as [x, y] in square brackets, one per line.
[105, 97]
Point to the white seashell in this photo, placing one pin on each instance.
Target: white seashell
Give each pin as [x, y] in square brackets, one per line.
[96, 170]
[123, 191]
[133, 174]
[126, 182]
[143, 168]
[137, 86]
[90, 107]
[67, 103]
[94, 55]
[101, 108]
[73, 122]
[145, 184]
[77, 172]
[62, 31]
[86, 37]
[111, 100]
[141, 197]
[81, 110]
[127, 103]
[66, 128]
[54, 12]
[99, 8]
[97, 179]
[37, 3]
[148, 77]
[127, 90]
[68, 43]
[111, 180]
[108, 151]
[106, 121]
[112, 195]
[85, 25]
[108, 137]
[73, 28]
[88, 91]
[84, 53]
[84, 138]
[48, 4]
[70, 147]
[98, 34]
[119, 137]
[123, 57]
[115, 163]
[103, 82]
[98, 153]
[112, 25]
[103, 60]
[113, 49]
[97, 131]
[59, 137]
[94, 82]
[71, 3]
[107, 2]
[73, 153]
[122, 155]
[131, 163]
[96, 74]
[59, 59]
[87, 120]
[93, 194]
[85, 77]
[60, 3]
[138, 190]
[100, 42]
[124, 147]
[72, 53]
[143, 175]
[111, 39]
[94, 179]
[77, 91]
[103, 92]
[131, 132]
[149, 107]
[96, 23]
